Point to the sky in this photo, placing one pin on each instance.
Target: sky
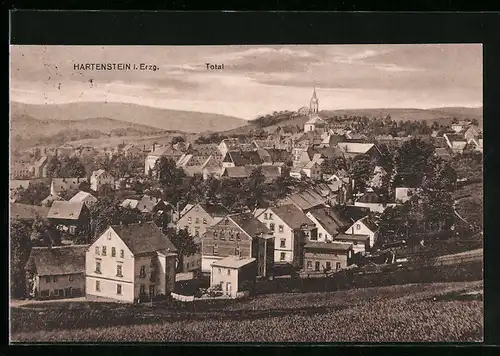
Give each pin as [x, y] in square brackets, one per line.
[256, 80]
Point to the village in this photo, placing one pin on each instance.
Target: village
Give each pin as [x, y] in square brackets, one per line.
[133, 224]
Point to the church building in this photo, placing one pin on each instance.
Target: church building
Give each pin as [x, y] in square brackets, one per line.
[315, 123]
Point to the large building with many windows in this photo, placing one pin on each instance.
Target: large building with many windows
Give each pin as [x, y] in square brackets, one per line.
[128, 262]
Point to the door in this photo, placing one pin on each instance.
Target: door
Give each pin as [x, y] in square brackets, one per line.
[228, 288]
[316, 266]
[152, 292]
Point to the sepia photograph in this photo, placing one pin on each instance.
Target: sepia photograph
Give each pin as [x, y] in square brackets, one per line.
[246, 193]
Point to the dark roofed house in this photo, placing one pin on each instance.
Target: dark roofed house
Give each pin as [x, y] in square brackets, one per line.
[304, 200]
[72, 217]
[56, 272]
[241, 158]
[131, 262]
[360, 243]
[329, 222]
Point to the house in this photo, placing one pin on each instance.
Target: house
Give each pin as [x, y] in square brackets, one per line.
[403, 194]
[149, 204]
[364, 226]
[22, 170]
[328, 222]
[239, 235]
[228, 144]
[296, 173]
[83, 197]
[214, 172]
[304, 200]
[444, 153]
[315, 123]
[373, 201]
[157, 153]
[461, 125]
[128, 262]
[340, 176]
[130, 203]
[100, 178]
[476, 143]
[269, 172]
[56, 272]
[199, 217]
[70, 217]
[59, 185]
[457, 143]
[41, 167]
[353, 149]
[26, 212]
[234, 275]
[320, 257]
[131, 151]
[291, 228]
[313, 169]
[14, 184]
[472, 132]
[241, 158]
[360, 243]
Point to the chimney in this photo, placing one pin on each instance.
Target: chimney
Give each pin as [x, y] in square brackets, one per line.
[52, 188]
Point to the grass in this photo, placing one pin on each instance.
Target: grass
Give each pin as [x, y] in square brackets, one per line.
[404, 313]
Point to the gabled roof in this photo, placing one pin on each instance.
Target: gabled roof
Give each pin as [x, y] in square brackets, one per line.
[455, 137]
[41, 161]
[98, 173]
[244, 158]
[144, 238]
[350, 212]
[355, 147]
[331, 246]
[332, 222]
[27, 212]
[352, 237]
[214, 210]
[130, 203]
[65, 210]
[18, 183]
[306, 200]
[315, 120]
[59, 260]
[370, 197]
[369, 223]
[292, 216]
[248, 223]
[233, 262]
[147, 203]
[81, 196]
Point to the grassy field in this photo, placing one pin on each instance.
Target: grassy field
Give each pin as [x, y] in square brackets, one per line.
[404, 313]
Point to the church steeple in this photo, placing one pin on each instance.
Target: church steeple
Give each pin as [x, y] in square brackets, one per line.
[314, 104]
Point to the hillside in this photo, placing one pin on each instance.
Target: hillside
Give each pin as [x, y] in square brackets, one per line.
[442, 115]
[136, 116]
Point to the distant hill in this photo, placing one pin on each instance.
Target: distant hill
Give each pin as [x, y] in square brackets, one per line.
[136, 116]
[271, 122]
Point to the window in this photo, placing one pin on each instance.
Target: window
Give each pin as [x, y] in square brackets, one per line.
[97, 286]
[282, 243]
[56, 292]
[215, 235]
[226, 221]
[328, 265]
[237, 251]
[142, 273]
[231, 236]
[204, 220]
[122, 253]
[98, 267]
[309, 264]
[338, 266]
[281, 228]
[72, 229]
[119, 271]
[104, 250]
[47, 279]
[265, 216]
[97, 251]
[189, 220]
[316, 266]
[221, 235]
[228, 272]
[282, 256]
[197, 221]
[271, 226]
[113, 252]
[54, 279]
[215, 250]
[320, 235]
[44, 293]
[238, 237]
[197, 232]
[219, 270]
[118, 289]
[143, 289]
[71, 278]
[358, 226]
[270, 216]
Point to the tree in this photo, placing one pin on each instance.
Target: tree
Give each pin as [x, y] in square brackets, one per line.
[20, 247]
[183, 242]
[106, 212]
[333, 165]
[105, 190]
[171, 180]
[71, 168]
[53, 167]
[33, 194]
[412, 161]
[177, 139]
[253, 189]
[360, 169]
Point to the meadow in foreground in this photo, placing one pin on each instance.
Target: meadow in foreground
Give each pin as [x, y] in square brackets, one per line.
[405, 313]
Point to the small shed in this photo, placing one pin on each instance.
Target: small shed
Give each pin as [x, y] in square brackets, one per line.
[234, 275]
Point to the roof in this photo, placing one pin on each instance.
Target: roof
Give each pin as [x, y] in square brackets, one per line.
[63, 183]
[443, 152]
[166, 151]
[369, 197]
[329, 152]
[130, 203]
[97, 173]
[332, 246]
[144, 238]
[455, 137]
[233, 262]
[147, 203]
[330, 220]
[306, 200]
[59, 260]
[81, 196]
[355, 147]
[315, 120]
[27, 212]
[350, 212]
[244, 158]
[18, 183]
[352, 237]
[238, 172]
[248, 223]
[369, 223]
[65, 210]
[42, 160]
[292, 216]
[214, 210]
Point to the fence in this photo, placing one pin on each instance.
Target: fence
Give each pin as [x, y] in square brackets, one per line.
[182, 298]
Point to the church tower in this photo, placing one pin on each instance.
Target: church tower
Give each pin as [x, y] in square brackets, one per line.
[314, 104]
